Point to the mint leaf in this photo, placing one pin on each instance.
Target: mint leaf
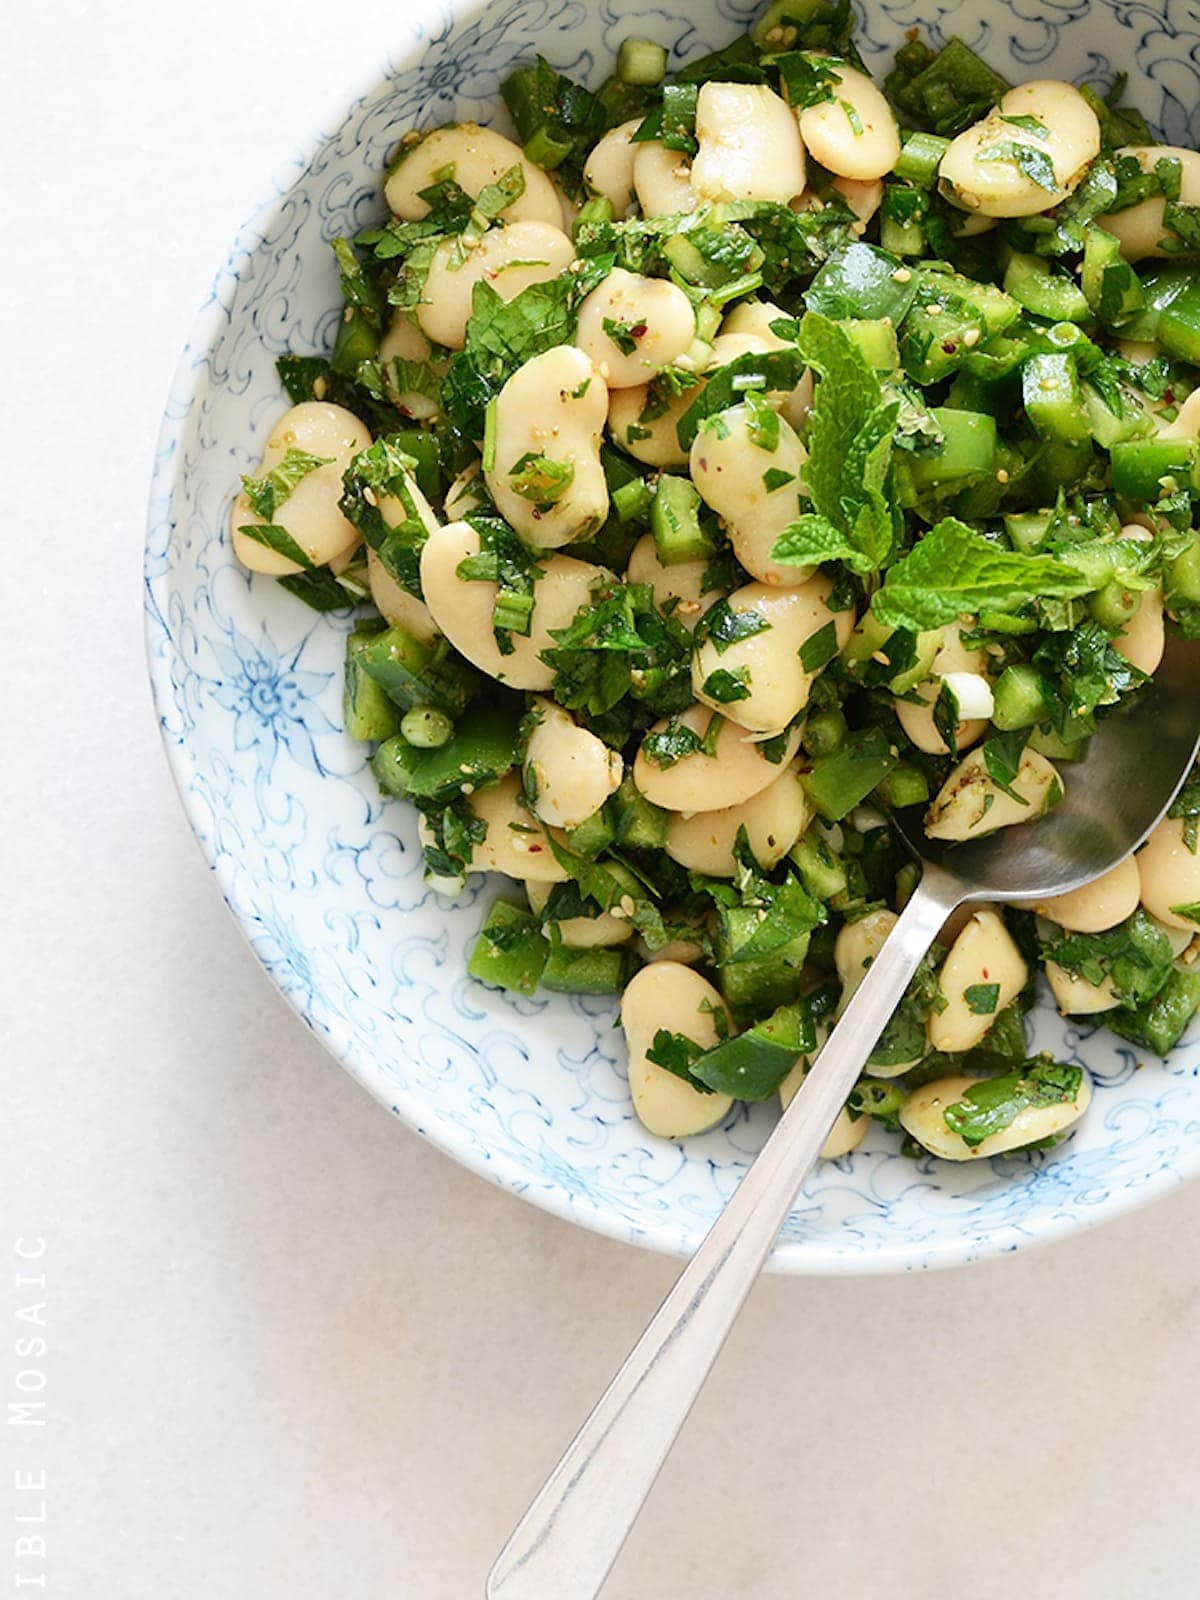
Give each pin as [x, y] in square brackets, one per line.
[852, 429]
[955, 571]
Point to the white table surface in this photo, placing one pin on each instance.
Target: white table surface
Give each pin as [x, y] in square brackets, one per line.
[294, 1351]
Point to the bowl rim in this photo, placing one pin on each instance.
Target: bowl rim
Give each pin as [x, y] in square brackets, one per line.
[819, 1258]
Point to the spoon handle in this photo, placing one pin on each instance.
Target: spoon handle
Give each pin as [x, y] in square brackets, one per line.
[564, 1546]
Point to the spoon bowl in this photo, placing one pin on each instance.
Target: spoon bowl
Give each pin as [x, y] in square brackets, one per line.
[1134, 767]
[1131, 772]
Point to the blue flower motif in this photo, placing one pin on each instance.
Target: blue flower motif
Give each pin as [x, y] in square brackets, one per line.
[274, 701]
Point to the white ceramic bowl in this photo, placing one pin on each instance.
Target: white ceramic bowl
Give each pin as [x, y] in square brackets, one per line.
[324, 876]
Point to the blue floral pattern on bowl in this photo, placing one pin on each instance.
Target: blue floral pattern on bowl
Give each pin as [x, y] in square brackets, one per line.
[324, 875]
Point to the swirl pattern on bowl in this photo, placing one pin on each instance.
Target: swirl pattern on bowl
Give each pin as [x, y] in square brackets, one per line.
[324, 876]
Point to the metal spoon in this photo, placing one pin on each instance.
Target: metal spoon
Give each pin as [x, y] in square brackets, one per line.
[565, 1545]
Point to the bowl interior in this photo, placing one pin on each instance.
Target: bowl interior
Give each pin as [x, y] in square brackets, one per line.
[325, 877]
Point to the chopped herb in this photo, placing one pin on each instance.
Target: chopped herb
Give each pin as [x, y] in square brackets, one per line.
[819, 649]
[1035, 164]
[540, 479]
[762, 429]
[982, 998]
[808, 80]
[675, 1053]
[773, 369]
[624, 335]
[268, 492]
[725, 686]
[721, 626]
[504, 561]
[988, 1108]
[385, 472]
[1032, 125]
[946, 717]
[1135, 957]
[1002, 758]
[277, 539]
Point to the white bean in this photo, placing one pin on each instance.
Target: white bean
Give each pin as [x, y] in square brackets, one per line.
[773, 819]
[983, 954]
[922, 1116]
[779, 684]
[651, 317]
[652, 438]
[847, 1132]
[476, 157]
[662, 179]
[554, 406]
[449, 887]
[728, 469]
[855, 948]
[582, 933]
[1076, 997]
[609, 169]
[1144, 638]
[310, 513]
[516, 843]
[972, 224]
[670, 996]
[1169, 874]
[854, 134]
[1185, 424]
[979, 173]
[569, 771]
[1178, 939]
[404, 341]
[952, 659]
[749, 145]
[396, 605]
[508, 259]
[462, 608]
[970, 804]
[467, 493]
[1140, 229]
[686, 951]
[1099, 905]
[683, 582]
[735, 771]
[864, 197]
[754, 318]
